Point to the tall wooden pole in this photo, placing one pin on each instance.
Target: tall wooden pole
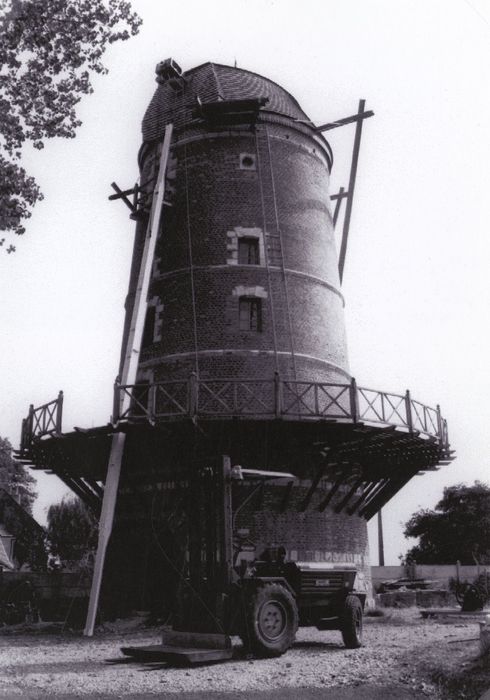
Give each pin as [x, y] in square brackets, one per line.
[381, 549]
[352, 184]
[128, 377]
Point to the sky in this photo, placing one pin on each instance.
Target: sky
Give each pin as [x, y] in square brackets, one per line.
[416, 279]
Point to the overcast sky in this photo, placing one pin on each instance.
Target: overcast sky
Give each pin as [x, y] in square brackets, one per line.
[417, 273]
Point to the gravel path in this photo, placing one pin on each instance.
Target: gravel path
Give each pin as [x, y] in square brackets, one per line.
[399, 652]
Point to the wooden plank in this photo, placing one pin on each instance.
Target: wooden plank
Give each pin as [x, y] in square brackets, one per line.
[343, 477]
[369, 488]
[346, 120]
[128, 376]
[314, 485]
[227, 523]
[349, 495]
[162, 652]
[122, 195]
[339, 197]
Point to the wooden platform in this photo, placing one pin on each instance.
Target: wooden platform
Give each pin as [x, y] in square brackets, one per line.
[184, 647]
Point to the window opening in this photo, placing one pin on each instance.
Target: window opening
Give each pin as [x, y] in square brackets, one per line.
[247, 161]
[149, 329]
[248, 251]
[250, 314]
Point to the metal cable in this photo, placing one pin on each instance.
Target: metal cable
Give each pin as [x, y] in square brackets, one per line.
[284, 276]
[266, 254]
[189, 244]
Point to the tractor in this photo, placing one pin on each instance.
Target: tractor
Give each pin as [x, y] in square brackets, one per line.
[263, 599]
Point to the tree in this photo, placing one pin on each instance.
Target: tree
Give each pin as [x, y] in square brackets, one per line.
[48, 51]
[15, 478]
[458, 528]
[72, 532]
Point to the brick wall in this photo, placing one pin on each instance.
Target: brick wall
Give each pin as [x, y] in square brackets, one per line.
[308, 535]
[283, 198]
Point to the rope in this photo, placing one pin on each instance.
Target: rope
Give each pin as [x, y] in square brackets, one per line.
[284, 276]
[266, 254]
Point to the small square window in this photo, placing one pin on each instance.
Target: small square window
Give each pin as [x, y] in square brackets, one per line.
[248, 251]
[250, 314]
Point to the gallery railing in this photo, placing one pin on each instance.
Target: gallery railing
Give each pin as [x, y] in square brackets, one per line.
[42, 421]
[276, 398]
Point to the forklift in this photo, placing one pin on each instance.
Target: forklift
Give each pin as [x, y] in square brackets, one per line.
[230, 589]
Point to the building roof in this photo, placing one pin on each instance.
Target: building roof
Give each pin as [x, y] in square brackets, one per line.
[4, 558]
[211, 82]
[18, 517]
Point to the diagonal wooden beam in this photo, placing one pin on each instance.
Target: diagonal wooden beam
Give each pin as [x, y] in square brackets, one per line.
[351, 188]
[314, 485]
[341, 479]
[369, 489]
[346, 120]
[128, 377]
[349, 494]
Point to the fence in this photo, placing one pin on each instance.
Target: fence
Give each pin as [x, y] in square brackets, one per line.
[276, 398]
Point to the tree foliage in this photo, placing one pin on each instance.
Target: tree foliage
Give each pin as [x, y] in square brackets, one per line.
[15, 478]
[458, 528]
[72, 531]
[48, 51]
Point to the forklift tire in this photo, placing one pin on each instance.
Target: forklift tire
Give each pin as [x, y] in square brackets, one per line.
[352, 622]
[271, 620]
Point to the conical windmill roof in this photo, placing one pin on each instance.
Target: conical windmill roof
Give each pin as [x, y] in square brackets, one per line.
[211, 82]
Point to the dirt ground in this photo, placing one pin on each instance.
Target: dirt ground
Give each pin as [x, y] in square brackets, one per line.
[403, 657]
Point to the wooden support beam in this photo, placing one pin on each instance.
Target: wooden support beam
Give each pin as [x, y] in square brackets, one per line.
[314, 485]
[351, 188]
[369, 488]
[338, 203]
[128, 377]
[389, 489]
[346, 120]
[99, 491]
[80, 489]
[349, 495]
[342, 478]
[123, 195]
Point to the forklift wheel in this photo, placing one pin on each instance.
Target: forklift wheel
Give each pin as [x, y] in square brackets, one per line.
[352, 622]
[271, 620]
